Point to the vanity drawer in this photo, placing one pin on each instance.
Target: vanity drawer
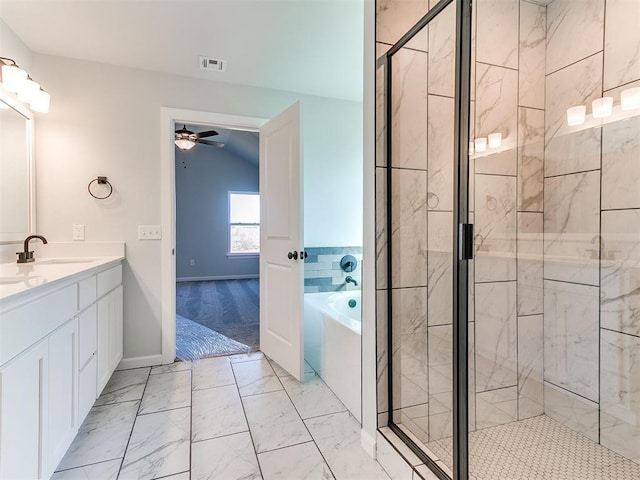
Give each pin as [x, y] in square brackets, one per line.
[109, 280]
[87, 292]
[87, 336]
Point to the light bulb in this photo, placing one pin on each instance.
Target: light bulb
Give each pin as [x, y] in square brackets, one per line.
[495, 140]
[13, 77]
[630, 98]
[576, 115]
[185, 144]
[40, 103]
[29, 91]
[602, 107]
[481, 144]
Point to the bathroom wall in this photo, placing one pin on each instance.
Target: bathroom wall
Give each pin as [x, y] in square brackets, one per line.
[592, 226]
[84, 135]
[203, 184]
[322, 271]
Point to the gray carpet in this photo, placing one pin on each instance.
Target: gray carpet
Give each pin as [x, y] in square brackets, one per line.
[193, 341]
[229, 307]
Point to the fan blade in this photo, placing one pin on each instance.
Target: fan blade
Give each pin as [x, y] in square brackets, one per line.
[211, 142]
[208, 133]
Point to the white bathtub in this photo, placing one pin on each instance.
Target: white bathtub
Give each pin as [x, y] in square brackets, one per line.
[332, 331]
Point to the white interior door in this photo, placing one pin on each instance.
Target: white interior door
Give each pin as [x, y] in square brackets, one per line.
[281, 241]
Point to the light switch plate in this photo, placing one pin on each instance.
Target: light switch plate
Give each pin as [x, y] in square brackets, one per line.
[78, 232]
[149, 232]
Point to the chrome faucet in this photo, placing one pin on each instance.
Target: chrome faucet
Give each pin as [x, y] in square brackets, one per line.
[27, 256]
[350, 279]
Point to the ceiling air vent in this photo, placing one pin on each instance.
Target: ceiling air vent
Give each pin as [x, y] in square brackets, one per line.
[215, 64]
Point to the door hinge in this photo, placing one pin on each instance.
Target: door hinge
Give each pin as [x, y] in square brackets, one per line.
[465, 241]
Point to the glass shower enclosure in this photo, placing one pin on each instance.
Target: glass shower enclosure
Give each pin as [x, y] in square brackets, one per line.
[508, 237]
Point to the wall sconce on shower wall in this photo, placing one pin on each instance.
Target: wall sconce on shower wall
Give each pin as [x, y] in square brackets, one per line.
[17, 81]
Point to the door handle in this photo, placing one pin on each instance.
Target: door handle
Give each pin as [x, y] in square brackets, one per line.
[303, 254]
[292, 255]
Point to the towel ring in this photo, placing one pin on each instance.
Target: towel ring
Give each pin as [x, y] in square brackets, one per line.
[101, 181]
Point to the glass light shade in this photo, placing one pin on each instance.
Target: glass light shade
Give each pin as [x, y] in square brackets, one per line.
[495, 140]
[40, 103]
[481, 144]
[29, 91]
[630, 98]
[13, 78]
[576, 115]
[185, 144]
[602, 107]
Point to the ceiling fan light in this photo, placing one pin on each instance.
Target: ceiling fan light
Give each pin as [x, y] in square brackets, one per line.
[13, 77]
[185, 144]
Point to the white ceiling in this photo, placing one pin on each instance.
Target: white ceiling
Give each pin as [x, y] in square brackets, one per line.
[306, 46]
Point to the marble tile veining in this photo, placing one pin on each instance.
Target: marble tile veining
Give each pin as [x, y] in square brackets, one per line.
[577, 413]
[225, 457]
[381, 228]
[312, 398]
[98, 471]
[533, 20]
[497, 32]
[530, 366]
[620, 166]
[217, 412]
[256, 377]
[167, 390]
[212, 372]
[302, 462]
[442, 34]
[621, 43]
[530, 160]
[530, 263]
[440, 267]
[440, 153]
[496, 407]
[124, 386]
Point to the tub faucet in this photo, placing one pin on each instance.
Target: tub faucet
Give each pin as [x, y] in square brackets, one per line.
[27, 256]
[350, 279]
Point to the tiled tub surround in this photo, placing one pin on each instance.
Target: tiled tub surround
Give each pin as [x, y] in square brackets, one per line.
[322, 272]
[556, 322]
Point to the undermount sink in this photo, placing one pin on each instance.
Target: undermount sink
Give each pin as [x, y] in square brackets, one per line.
[62, 261]
[17, 279]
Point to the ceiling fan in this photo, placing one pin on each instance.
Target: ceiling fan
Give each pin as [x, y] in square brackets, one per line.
[186, 139]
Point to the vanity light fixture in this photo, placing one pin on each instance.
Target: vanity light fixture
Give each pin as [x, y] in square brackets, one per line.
[495, 140]
[17, 81]
[630, 98]
[602, 107]
[576, 115]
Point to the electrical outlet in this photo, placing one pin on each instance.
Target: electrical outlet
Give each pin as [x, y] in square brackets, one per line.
[192, 262]
[149, 232]
[78, 232]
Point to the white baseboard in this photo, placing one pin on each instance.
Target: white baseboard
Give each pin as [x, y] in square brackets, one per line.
[368, 443]
[217, 277]
[137, 362]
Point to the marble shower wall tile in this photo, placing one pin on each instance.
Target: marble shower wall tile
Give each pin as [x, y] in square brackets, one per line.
[496, 111]
[530, 263]
[409, 235]
[381, 228]
[496, 342]
[621, 42]
[620, 271]
[533, 22]
[409, 109]
[442, 35]
[496, 407]
[574, 31]
[497, 32]
[381, 352]
[495, 228]
[572, 228]
[530, 366]
[381, 130]
[440, 153]
[530, 160]
[577, 84]
[620, 394]
[395, 17]
[571, 356]
[440, 266]
[620, 166]
[577, 413]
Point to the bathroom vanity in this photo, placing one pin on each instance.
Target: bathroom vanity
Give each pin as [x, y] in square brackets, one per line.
[60, 341]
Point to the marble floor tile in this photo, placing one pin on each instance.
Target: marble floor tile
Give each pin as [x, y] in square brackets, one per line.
[171, 367]
[124, 386]
[166, 391]
[246, 357]
[255, 377]
[273, 421]
[338, 438]
[159, 445]
[229, 457]
[312, 398]
[103, 435]
[281, 372]
[217, 412]
[211, 372]
[97, 471]
[178, 476]
[302, 462]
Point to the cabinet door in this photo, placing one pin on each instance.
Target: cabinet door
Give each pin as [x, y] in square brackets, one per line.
[63, 391]
[23, 418]
[109, 335]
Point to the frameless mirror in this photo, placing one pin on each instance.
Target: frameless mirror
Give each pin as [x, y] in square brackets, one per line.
[17, 215]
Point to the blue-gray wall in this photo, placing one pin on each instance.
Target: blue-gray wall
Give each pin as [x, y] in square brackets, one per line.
[202, 211]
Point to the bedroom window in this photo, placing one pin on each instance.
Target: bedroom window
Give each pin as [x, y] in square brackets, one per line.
[244, 223]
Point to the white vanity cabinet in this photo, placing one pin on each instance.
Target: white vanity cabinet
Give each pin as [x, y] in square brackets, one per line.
[52, 345]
